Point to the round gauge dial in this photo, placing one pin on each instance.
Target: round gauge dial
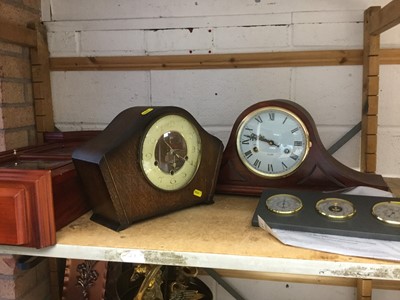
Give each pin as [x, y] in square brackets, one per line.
[171, 152]
[388, 212]
[335, 208]
[272, 142]
[284, 204]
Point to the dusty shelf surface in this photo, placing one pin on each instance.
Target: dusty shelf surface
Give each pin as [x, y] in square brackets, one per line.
[219, 236]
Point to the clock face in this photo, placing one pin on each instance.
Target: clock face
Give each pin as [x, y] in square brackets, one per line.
[335, 208]
[284, 204]
[171, 152]
[388, 212]
[272, 142]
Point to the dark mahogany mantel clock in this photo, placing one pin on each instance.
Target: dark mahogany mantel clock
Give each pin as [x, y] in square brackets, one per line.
[148, 161]
[276, 144]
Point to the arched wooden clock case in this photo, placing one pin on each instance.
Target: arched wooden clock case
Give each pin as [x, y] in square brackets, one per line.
[113, 166]
[318, 171]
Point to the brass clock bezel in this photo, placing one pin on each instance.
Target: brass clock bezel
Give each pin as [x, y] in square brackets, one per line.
[285, 212]
[383, 219]
[333, 216]
[274, 175]
[145, 169]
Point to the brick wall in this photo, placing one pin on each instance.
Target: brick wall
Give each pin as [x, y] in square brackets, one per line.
[31, 284]
[17, 129]
[17, 123]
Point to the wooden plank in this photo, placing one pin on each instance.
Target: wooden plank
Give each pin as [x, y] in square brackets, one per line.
[386, 285]
[385, 18]
[40, 109]
[40, 123]
[371, 42]
[34, 57]
[37, 90]
[364, 289]
[372, 140]
[334, 281]
[41, 82]
[389, 56]
[370, 162]
[209, 61]
[17, 34]
[373, 85]
[307, 279]
[372, 105]
[370, 88]
[223, 61]
[37, 74]
[373, 65]
[372, 124]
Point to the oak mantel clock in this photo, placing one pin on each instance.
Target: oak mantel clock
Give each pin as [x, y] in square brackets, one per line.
[148, 162]
[275, 143]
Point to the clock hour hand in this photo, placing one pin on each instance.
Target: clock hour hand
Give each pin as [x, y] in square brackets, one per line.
[253, 137]
[264, 139]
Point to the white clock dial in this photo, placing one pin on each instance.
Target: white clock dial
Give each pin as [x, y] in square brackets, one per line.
[272, 142]
[388, 212]
[284, 204]
[171, 152]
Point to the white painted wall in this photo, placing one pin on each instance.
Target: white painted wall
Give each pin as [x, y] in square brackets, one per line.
[90, 100]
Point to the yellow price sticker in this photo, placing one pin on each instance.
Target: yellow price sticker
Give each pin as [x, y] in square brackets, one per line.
[146, 111]
[197, 193]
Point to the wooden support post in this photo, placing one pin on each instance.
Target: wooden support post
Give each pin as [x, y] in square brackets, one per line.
[370, 93]
[41, 84]
[364, 289]
[17, 34]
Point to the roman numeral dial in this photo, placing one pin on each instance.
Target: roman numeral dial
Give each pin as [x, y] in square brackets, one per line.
[272, 142]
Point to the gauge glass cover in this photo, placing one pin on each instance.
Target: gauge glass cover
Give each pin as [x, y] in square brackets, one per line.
[272, 142]
[284, 204]
[387, 211]
[335, 208]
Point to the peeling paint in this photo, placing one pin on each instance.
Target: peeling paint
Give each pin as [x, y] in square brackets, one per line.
[168, 258]
[364, 272]
[143, 256]
[266, 26]
[112, 255]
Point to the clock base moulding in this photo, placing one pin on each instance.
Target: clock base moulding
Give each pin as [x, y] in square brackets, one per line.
[319, 170]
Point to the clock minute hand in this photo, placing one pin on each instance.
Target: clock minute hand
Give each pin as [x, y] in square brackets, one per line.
[178, 155]
[173, 151]
[169, 146]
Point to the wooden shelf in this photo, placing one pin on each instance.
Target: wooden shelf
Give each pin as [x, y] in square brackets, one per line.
[220, 61]
[216, 236]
